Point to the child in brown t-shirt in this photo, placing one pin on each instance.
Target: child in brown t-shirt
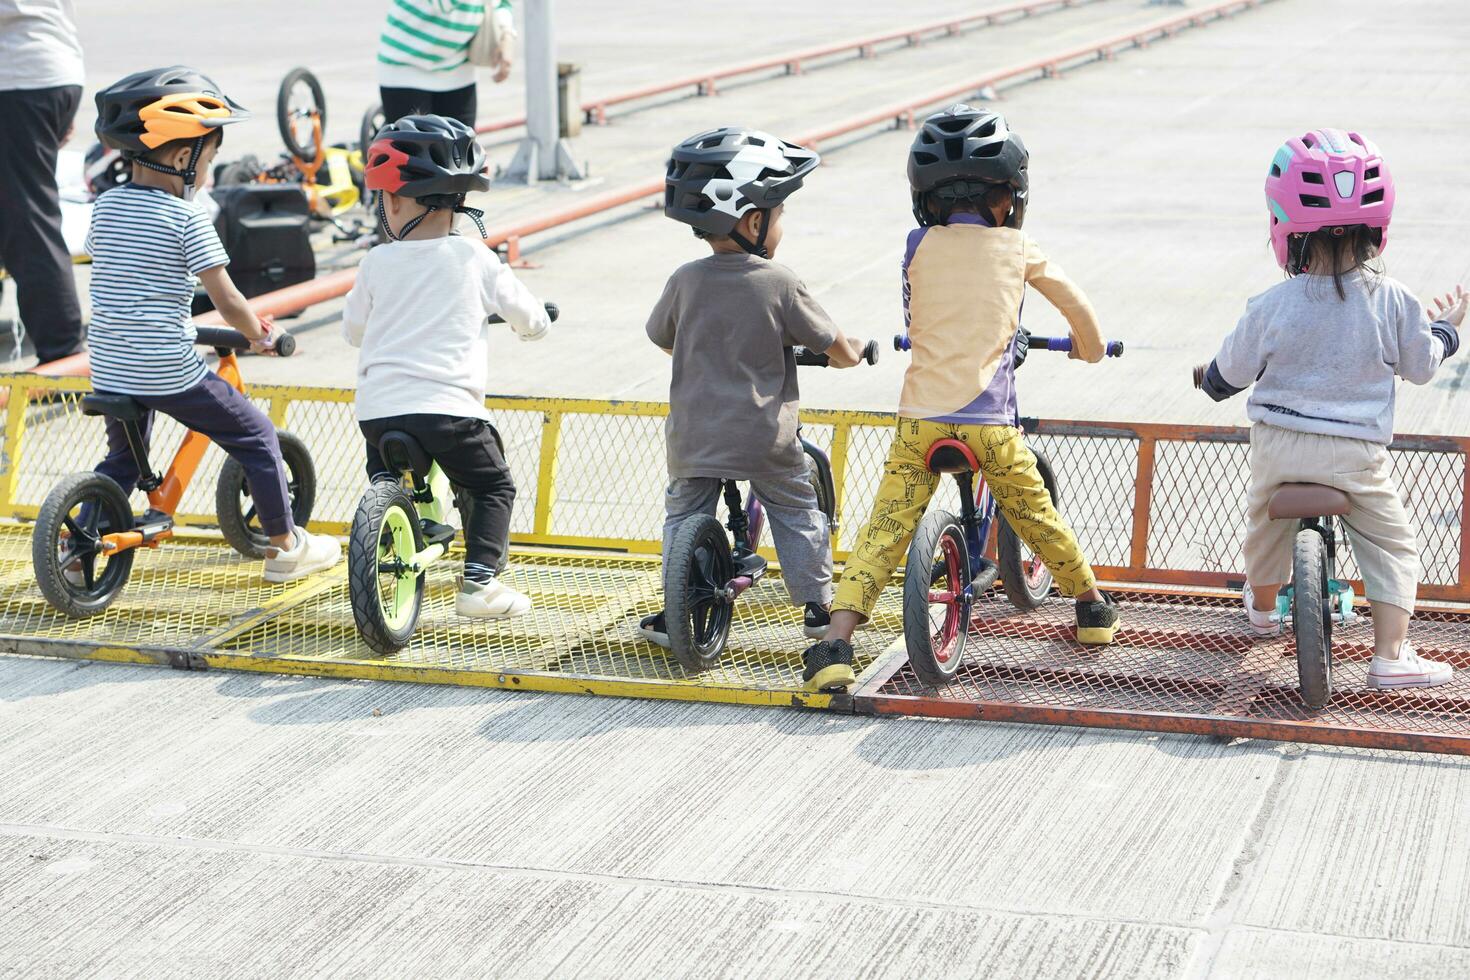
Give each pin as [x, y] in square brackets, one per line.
[730, 320]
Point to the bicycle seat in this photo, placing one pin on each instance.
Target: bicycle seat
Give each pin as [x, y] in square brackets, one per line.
[1297, 501]
[403, 454]
[121, 407]
[951, 456]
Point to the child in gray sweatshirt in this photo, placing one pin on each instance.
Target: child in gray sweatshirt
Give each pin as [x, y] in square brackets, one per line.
[1323, 351]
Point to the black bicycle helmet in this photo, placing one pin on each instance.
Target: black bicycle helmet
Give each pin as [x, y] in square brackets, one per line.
[432, 159]
[718, 176]
[960, 153]
[149, 108]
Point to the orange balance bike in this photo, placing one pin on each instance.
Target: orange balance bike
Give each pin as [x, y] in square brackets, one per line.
[86, 534]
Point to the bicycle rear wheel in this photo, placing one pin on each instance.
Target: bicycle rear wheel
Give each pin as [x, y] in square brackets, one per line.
[696, 609]
[386, 593]
[1311, 618]
[234, 507]
[936, 605]
[73, 571]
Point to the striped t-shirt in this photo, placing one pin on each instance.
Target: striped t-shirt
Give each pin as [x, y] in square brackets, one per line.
[147, 248]
[425, 43]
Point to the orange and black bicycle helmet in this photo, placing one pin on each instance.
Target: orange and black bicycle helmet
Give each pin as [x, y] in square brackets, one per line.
[150, 108]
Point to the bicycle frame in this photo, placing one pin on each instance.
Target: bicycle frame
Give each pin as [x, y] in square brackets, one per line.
[1341, 593]
[431, 496]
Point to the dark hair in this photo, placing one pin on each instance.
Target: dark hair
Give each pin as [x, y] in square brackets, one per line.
[967, 199]
[213, 138]
[1353, 246]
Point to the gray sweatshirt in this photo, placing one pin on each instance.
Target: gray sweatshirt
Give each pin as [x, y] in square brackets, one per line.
[1327, 365]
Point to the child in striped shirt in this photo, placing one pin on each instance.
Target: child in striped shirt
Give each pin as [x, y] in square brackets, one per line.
[150, 244]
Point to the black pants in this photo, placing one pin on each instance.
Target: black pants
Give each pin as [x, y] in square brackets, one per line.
[457, 104]
[469, 453]
[33, 123]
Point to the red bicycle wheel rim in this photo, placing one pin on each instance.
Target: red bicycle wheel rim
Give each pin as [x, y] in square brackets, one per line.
[947, 639]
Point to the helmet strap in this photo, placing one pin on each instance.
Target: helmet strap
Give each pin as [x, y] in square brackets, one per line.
[1297, 252]
[407, 229]
[188, 173]
[758, 247]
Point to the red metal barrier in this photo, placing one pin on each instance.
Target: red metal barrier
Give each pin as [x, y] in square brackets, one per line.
[704, 83]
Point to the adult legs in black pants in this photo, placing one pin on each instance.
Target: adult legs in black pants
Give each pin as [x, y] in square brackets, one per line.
[32, 249]
[458, 104]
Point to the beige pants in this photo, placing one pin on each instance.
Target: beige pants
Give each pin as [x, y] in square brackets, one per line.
[1382, 537]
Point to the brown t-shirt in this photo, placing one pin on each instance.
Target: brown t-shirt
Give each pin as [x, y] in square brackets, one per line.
[731, 321]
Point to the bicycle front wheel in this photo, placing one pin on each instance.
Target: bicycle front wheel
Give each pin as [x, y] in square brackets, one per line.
[1026, 580]
[73, 570]
[299, 98]
[387, 594]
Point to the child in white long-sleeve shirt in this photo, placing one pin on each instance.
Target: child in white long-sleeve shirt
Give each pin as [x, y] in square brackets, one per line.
[418, 310]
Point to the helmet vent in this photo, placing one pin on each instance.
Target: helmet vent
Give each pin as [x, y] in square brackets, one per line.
[708, 142]
[1373, 197]
[1309, 140]
[1371, 174]
[1275, 170]
[1314, 201]
[987, 130]
[925, 158]
[954, 148]
[953, 125]
[754, 141]
[1312, 177]
[988, 150]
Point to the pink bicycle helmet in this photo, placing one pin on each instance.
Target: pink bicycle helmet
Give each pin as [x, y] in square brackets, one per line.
[1327, 179]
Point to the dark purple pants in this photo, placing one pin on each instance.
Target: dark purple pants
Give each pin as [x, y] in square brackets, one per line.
[220, 412]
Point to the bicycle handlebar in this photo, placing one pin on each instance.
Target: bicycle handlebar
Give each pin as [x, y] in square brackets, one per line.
[812, 358]
[223, 338]
[1113, 348]
[552, 310]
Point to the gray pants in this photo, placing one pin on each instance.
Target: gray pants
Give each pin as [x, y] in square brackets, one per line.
[798, 527]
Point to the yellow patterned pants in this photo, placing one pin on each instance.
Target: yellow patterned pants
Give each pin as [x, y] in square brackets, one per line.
[1009, 468]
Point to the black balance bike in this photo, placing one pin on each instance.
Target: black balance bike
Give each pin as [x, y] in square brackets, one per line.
[706, 571]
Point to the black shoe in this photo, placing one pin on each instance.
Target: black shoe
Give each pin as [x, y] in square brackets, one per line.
[828, 666]
[1097, 622]
[815, 620]
[654, 629]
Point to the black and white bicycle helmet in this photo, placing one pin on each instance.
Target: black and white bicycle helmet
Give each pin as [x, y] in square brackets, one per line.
[715, 178]
[960, 153]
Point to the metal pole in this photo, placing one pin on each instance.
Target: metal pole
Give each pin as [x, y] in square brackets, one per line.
[543, 154]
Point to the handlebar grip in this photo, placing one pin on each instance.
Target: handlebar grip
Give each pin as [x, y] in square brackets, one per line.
[285, 345]
[1113, 348]
[901, 342]
[870, 352]
[222, 337]
[552, 310]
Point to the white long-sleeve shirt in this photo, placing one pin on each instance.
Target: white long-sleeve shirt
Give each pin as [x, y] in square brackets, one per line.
[418, 312]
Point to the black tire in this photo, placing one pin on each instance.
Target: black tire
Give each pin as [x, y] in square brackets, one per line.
[938, 559]
[1026, 591]
[298, 78]
[1311, 618]
[698, 614]
[383, 629]
[236, 512]
[61, 519]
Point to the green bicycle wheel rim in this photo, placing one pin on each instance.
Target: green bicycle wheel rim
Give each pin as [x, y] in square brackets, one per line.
[395, 540]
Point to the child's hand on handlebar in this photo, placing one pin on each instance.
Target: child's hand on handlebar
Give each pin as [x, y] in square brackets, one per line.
[845, 352]
[266, 342]
[1451, 307]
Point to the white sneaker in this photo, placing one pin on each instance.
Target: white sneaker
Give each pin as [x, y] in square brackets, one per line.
[1409, 670]
[313, 553]
[1262, 623]
[490, 600]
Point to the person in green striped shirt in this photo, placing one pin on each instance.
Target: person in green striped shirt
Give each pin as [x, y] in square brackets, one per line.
[423, 55]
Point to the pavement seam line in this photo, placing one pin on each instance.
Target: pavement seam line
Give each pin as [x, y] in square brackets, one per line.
[1219, 923]
[605, 878]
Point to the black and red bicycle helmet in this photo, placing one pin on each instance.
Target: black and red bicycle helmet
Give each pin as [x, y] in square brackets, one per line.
[432, 159]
